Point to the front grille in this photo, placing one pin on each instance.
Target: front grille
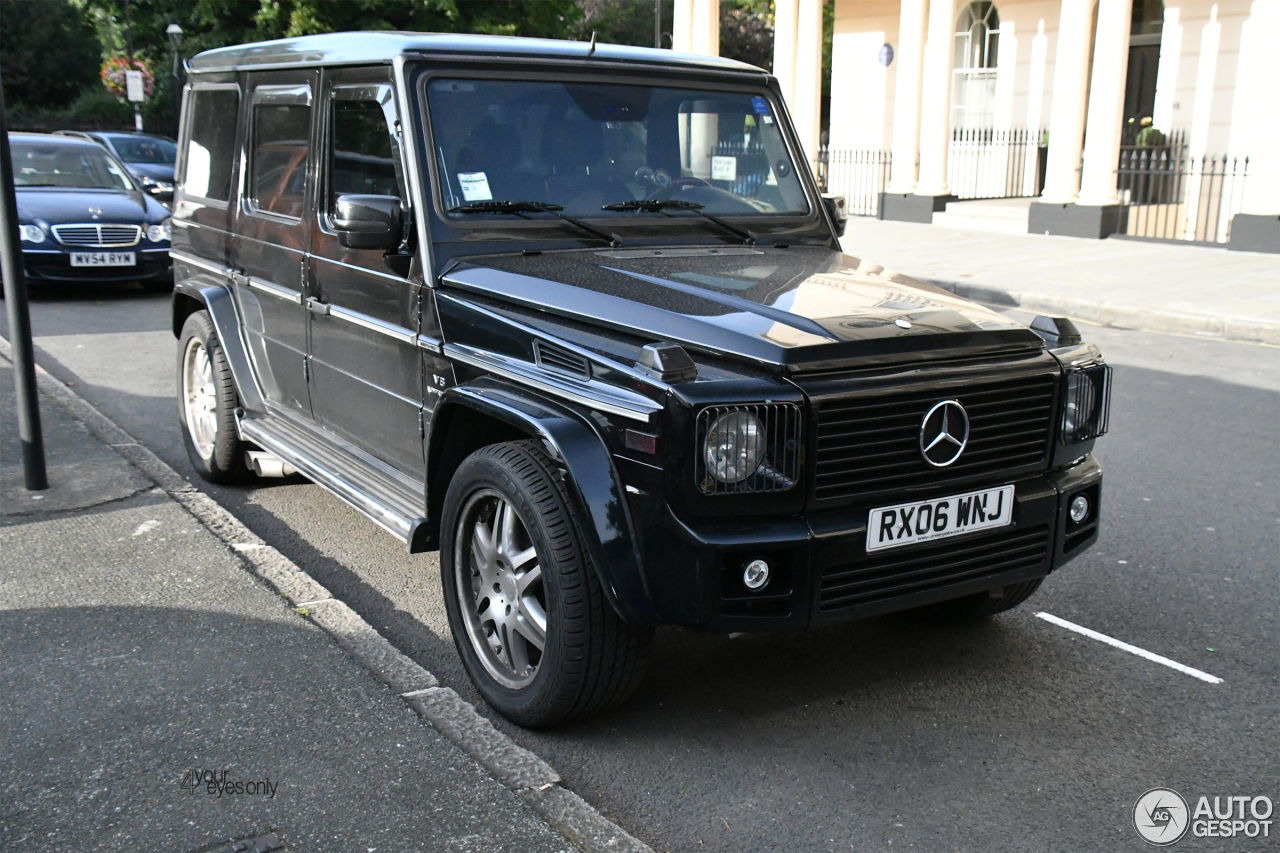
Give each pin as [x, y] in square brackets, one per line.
[98, 236]
[871, 443]
[922, 569]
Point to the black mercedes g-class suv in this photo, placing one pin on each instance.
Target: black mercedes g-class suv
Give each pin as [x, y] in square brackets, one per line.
[577, 317]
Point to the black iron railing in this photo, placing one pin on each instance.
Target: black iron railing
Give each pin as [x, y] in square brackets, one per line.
[987, 163]
[1168, 194]
[859, 176]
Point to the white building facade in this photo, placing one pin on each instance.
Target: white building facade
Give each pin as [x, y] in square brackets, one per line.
[1046, 99]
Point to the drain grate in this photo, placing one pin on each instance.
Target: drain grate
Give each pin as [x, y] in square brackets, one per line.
[258, 844]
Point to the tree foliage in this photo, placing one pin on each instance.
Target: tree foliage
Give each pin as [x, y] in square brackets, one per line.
[48, 52]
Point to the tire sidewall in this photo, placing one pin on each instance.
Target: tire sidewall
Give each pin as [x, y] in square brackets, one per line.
[226, 463]
[529, 704]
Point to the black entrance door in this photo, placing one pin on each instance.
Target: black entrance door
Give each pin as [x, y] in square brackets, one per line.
[1140, 90]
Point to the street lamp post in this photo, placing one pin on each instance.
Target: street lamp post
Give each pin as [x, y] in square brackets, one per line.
[175, 83]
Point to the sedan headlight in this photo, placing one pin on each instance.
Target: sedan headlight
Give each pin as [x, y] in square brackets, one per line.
[748, 448]
[1086, 406]
[161, 233]
[31, 233]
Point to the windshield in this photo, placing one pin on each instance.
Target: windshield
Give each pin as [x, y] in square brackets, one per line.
[582, 146]
[76, 166]
[145, 149]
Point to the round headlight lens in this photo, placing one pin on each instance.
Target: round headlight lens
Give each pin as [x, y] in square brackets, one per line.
[161, 233]
[1071, 418]
[734, 447]
[31, 233]
[1079, 509]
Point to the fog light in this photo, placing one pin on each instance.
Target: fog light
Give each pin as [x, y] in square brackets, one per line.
[756, 575]
[1079, 509]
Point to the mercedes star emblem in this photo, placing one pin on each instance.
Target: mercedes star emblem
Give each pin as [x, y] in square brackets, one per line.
[944, 432]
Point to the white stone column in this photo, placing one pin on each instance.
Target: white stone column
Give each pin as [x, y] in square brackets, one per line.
[1035, 106]
[1255, 122]
[786, 16]
[1106, 104]
[706, 27]
[682, 27]
[806, 109]
[935, 98]
[906, 96]
[1070, 81]
[1167, 70]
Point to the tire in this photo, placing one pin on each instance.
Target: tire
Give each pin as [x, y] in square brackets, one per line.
[590, 659]
[981, 605]
[207, 403]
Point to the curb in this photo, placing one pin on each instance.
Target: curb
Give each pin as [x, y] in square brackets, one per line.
[1120, 315]
[516, 768]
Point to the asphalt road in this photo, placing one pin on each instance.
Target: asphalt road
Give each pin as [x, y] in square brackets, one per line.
[885, 734]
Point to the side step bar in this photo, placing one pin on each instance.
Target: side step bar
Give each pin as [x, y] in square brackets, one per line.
[391, 502]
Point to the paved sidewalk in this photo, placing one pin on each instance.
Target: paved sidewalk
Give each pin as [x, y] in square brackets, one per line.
[135, 647]
[1128, 283]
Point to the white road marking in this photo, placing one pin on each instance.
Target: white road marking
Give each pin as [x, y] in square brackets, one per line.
[1142, 653]
[146, 527]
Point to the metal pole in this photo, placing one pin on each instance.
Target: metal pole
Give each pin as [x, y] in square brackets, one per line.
[15, 300]
[657, 24]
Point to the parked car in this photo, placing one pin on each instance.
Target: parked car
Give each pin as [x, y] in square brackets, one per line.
[579, 319]
[149, 158]
[83, 218]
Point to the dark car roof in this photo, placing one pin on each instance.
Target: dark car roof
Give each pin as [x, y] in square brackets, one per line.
[44, 138]
[381, 47]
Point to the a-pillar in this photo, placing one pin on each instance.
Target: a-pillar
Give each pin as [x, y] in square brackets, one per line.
[932, 191]
[1055, 212]
[897, 201]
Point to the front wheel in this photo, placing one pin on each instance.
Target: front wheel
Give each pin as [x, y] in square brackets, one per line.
[207, 403]
[531, 623]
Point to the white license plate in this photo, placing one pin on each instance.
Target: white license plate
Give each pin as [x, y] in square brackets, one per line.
[926, 521]
[103, 259]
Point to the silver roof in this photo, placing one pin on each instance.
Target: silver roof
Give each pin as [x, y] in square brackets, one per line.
[363, 48]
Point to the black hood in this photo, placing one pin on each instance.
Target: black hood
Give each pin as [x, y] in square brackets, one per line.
[55, 206]
[159, 171]
[801, 308]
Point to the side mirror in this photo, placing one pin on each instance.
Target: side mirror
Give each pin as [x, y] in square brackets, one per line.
[368, 221]
[839, 211]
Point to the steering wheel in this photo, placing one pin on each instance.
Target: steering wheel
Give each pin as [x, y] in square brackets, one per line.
[669, 190]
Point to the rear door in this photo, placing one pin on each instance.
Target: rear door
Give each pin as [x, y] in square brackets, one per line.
[272, 231]
[366, 368]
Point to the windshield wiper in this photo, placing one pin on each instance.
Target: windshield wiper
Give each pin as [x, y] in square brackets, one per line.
[654, 205]
[521, 207]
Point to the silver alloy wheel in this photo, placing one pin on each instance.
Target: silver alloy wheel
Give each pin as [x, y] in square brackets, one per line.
[501, 595]
[199, 397]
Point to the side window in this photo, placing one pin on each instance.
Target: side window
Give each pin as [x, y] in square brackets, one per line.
[281, 133]
[211, 143]
[363, 148]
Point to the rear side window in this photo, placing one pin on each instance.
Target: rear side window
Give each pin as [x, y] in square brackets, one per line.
[364, 147]
[278, 154]
[211, 143]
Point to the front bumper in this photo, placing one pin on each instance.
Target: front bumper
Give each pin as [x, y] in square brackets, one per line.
[54, 265]
[822, 574]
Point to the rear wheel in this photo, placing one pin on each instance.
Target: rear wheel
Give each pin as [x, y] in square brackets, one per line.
[529, 618]
[207, 403]
[980, 605]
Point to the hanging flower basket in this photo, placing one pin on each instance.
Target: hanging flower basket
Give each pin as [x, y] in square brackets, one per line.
[113, 77]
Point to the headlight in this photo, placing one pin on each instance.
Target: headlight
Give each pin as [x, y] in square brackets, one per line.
[161, 233]
[734, 447]
[31, 233]
[748, 448]
[1086, 406]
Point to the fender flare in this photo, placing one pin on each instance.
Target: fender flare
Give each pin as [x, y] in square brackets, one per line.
[219, 302]
[594, 487]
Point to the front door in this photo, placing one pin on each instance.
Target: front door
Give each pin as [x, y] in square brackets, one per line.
[366, 367]
[272, 232]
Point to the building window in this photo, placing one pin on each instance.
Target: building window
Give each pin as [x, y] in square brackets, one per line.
[977, 47]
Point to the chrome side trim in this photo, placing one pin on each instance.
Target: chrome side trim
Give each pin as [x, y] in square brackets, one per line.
[592, 394]
[275, 290]
[400, 333]
[361, 270]
[225, 272]
[429, 343]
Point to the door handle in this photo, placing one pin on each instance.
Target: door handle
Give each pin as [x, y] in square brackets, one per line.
[315, 306]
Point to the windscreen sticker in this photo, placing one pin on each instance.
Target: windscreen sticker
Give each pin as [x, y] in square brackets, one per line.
[760, 104]
[475, 186]
[724, 168]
